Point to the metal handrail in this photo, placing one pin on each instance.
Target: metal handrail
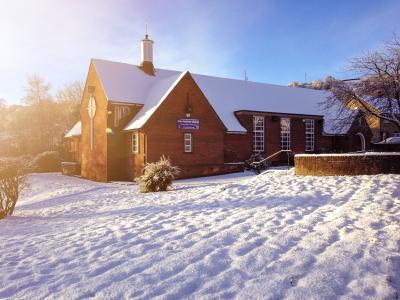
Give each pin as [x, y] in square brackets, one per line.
[272, 155]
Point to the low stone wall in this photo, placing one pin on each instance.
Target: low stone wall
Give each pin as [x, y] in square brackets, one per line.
[347, 164]
[71, 168]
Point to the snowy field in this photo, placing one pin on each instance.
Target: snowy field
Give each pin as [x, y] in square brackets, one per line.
[270, 236]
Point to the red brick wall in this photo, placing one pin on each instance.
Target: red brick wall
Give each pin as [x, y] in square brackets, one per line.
[119, 147]
[135, 161]
[353, 141]
[339, 143]
[329, 165]
[236, 147]
[74, 149]
[94, 161]
[325, 144]
[239, 147]
[386, 147]
[388, 127]
[163, 137]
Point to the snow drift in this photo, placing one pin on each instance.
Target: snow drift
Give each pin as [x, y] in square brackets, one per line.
[269, 236]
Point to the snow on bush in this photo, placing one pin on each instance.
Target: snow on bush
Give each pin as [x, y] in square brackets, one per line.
[293, 84]
[157, 176]
[48, 161]
[325, 84]
[12, 181]
[317, 84]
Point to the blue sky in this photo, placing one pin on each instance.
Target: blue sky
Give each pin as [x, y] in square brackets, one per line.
[274, 41]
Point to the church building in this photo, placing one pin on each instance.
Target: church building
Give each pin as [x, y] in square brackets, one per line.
[134, 114]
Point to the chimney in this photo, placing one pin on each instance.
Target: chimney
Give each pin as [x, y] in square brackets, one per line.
[146, 63]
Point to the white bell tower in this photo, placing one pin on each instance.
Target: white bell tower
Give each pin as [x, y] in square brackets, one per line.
[146, 62]
[146, 47]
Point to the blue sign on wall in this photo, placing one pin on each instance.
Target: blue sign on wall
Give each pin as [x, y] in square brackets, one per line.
[189, 124]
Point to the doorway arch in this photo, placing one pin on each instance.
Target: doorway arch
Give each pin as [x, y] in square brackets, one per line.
[362, 141]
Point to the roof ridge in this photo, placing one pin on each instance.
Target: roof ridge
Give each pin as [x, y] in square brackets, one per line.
[198, 74]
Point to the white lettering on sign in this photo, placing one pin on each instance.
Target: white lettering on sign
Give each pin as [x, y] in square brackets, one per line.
[193, 124]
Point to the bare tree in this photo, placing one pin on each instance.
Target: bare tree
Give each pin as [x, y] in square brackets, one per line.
[71, 92]
[69, 98]
[377, 92]
[36, 90]
[43, 114]
[40, 124]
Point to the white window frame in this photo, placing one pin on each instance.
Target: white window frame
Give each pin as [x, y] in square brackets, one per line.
[258, 133]
[310, 134]
[188, 142]
[117, 112]
[285, 133]
[135, 142]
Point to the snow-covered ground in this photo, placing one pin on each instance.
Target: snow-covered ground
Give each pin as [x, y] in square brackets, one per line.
[240, 236]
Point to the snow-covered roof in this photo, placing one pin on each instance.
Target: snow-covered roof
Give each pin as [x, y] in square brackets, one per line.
[74, 131]
[338, 118]
[153, 100]
[128, 83]
[230, 95]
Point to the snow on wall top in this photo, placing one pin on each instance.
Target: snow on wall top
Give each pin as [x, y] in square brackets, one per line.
[349, 154]
[128, 83]
[74, 131]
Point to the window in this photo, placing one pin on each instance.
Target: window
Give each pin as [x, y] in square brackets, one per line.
[187, 142]
[119, 113]
[309, 135]
[285, 133]
[258, 134]
[396, 134]
[135, 142]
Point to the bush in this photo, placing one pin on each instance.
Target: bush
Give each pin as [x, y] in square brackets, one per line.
[48, 161]
[12, 180]
[157, 176]
[317, 84]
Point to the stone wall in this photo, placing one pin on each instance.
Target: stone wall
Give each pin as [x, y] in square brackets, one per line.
[347, 164]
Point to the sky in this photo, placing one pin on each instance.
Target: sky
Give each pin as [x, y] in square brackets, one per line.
[272, 41]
